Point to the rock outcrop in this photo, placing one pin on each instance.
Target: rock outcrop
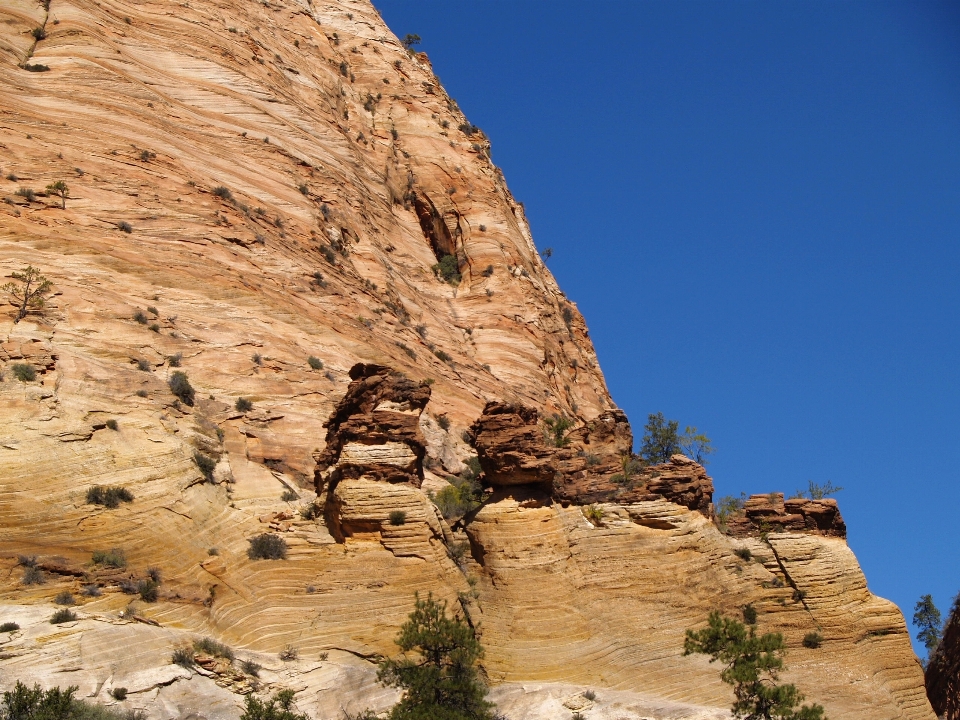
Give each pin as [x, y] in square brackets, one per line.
[258, 195]
[943, 670]
[763, 513]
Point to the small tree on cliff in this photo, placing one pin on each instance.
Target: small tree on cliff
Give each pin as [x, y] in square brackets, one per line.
[60, 189]
[752, 665]
[696, 445]
[661, 439]
[441, 683]
[927, 618]
[29, 293]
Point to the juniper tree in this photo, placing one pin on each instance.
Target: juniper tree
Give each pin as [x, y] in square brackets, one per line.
[927, 618]
[30, 294]
[661, 439]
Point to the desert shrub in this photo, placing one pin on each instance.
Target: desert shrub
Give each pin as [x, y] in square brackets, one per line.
[743, 553]
[310, 512]
[243, 405]
[458, 498]
[153, 310]
[147, 589]
[110, 496]
[119, 693]
[140, 317]
[90, 590]
[487, 271]
[27, 194]
[812, 640]
[444, 422]
[213, 551]
[593, 513]
[181, 387]
[115, 558]
[64, 597]
[124, 226]
[23, 372]
[289, 495]
[257, 359]
[799, 595]
[27, 560]
[289, 653]
[147, 156]
[32, 575]
[175, 360]
[267, 547]
[223, 193]
[251, 668]
[112, 424]
[315, 363]
[590, 695]
[182, 656]
[142, 393]
[128, 587]
[154, 574]
[144, 365]
[442, 356]
[398, 517]
[212, 647]
[9, 627]
[36, 67]
[63, 615]
[469, 129]
[448, 269]
[750, 615]
[205, 464]
[154, 328]
[304, 190]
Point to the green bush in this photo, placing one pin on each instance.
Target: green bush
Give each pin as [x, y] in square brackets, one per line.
[114, 558]
[743, 553]
[251, 668]
[64, 597]
[277, 708]
[398, 517]
[140, 317]
[661, 439]
[311, 511]
[23, 372]
[209, 646]
[182, 656]
[63, 615]
[27, 193]
[181, 387]
[750, 615]
[315, 363]
[812, 640]
[175, 360]
[144, 365]
[442, 355]
[289, 495]
[36, 67]
[119, 693]
[555, 429]
[448, 269]
[243, 405]
[9, 627]
[223, 193]
[267, 547]
[109, 496]
[90, 590]
[593, 513]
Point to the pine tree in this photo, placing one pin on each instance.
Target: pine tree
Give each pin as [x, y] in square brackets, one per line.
[441, 681]
[753, 664]
[927, 618]
[661, 439]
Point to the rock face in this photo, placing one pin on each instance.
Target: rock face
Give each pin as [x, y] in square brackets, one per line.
[258, 195]
[943, 671]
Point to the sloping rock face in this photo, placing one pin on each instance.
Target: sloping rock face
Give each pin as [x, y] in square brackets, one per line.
[943, 671]
[258, 193]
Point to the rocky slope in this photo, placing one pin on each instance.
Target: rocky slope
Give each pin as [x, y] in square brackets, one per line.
[258, 193]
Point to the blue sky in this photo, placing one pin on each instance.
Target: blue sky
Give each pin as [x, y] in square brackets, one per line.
[755, 206]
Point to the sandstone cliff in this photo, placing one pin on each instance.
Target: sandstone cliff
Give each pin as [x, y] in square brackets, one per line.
[258, 194]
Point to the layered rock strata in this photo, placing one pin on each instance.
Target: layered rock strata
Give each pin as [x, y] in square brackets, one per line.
[763, 513]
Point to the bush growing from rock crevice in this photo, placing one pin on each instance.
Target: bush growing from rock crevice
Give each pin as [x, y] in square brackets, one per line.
[180, 386]
[63, 615]
[114, 558]
[210, 646]
[109, 496]
[23, 372]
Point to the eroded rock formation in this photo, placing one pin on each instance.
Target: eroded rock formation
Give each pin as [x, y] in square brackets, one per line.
[764, 513]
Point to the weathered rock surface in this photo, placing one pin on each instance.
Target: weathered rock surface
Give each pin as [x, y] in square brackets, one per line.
[943, 670]
[253, 185]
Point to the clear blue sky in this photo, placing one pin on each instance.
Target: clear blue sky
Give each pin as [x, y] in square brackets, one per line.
[756, 206]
